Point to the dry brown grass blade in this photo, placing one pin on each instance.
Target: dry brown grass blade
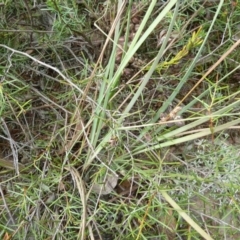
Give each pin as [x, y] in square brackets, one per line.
[82, 192]
[10, 164]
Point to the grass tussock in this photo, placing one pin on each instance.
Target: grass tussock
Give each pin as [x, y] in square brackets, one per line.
[119, 120]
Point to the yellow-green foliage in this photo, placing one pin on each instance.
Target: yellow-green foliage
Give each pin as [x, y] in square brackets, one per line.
[193, 42]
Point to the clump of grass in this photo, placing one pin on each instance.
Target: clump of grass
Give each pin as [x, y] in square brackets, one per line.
[82, 157]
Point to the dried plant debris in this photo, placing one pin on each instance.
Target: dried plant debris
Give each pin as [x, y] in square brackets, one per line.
[107, 185]
[162, 36]
[173, 118]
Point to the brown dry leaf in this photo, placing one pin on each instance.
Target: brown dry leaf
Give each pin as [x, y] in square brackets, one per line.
[7, 236]
[61, 186]
[107, 187]
[30, 51]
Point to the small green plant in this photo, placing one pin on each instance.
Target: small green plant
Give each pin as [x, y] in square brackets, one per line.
[193, 42]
